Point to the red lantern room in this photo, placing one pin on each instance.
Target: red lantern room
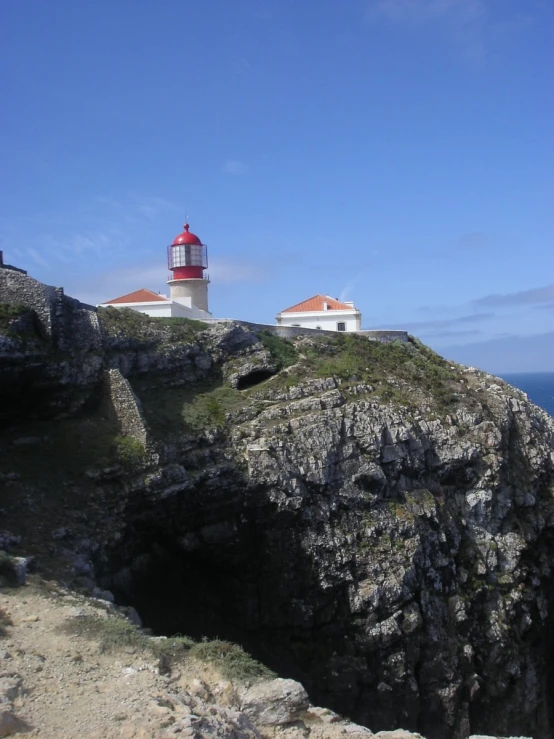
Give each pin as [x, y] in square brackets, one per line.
[187, 257]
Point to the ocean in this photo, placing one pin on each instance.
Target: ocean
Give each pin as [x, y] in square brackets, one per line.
[539, 386]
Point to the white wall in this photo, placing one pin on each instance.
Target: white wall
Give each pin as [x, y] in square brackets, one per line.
[326, 319]
[169, 309]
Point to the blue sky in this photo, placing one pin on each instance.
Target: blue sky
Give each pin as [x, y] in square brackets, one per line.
[397, 153]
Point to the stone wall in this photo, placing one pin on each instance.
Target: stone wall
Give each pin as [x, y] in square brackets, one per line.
[289, 332]
[125, 407]
[60, 317]
[18, 288]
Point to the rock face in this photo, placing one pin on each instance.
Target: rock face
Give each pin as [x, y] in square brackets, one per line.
[370, 520]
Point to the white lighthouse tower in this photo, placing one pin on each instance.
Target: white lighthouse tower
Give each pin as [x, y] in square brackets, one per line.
[187, 258]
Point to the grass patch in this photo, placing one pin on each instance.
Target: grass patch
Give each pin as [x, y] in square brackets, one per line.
[282, 350]
[209, 409]
[128, 451]
[403, 373]
[231, 660]
[140, 327]
[113, 632]
[116, 632]
[8, 312]
[186, 410]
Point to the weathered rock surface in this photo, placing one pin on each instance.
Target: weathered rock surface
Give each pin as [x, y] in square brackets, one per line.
[372, 521]
[275, 702]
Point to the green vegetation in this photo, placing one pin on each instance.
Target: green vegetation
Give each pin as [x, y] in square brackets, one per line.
[282, 350]
[209, 408]
[128, 451]
[400, 373]
[141, 327]
[9, 312]
[231, 660]
[188, 410]
[116, 632]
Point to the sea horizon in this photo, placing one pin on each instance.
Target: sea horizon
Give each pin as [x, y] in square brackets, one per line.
[539, 387]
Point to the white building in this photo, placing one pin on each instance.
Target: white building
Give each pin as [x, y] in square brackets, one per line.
[322, 312]
[156, 305]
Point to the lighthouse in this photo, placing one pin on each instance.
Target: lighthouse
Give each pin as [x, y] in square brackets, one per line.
[187, 258]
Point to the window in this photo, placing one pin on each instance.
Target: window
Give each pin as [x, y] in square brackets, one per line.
[296, 325]
[341, 326]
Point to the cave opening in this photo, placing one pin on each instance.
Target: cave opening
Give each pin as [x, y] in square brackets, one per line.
[254, 378]
[244, 582]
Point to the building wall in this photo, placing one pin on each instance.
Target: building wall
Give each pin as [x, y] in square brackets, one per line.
[169, 309]
[196, 290]
[327, 319]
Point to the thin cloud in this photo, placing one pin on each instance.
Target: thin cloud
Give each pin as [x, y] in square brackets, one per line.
[469, 24]
[109, 284]
[427, 11]
[227, 272]
[445, 323]
[449, 334]
[533, 353]
[535, 296]
[235, 167]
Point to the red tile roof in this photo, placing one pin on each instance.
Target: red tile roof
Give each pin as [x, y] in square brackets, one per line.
[316, 303]
[139, 296]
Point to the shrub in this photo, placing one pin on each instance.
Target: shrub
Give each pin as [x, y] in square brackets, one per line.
[139, 326]
[8, 312]
[128, 451]
[116, 632]
[282, 351]
[231, 660]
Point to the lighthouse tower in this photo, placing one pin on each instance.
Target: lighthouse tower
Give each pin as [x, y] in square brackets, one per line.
[187, 258]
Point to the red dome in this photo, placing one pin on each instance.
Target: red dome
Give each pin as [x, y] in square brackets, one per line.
[186, 237]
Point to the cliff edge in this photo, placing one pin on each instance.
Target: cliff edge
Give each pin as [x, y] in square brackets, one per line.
[366, 518]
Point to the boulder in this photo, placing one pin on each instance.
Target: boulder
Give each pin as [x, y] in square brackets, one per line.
[275, 702]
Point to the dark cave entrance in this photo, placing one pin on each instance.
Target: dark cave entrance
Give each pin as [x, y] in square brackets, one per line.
[185, 593]
[248, 581]
[254, 378]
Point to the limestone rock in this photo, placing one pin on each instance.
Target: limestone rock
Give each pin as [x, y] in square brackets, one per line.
[10, 724]
[274, 702]
[9, 689]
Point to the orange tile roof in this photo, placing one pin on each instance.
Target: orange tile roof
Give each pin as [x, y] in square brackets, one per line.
[139, 296]
[316, 303]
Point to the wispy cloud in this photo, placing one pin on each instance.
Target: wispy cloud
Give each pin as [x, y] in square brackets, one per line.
[109, 284]
[450, 334]
[226, 272]
[470, 24]
[235, 167]
[446, 323]
[347, 290]
[426, 11]
[508, 354]
[101, 226]
[536, 296]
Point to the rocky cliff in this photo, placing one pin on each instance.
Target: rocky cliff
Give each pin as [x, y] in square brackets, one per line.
[369, 519]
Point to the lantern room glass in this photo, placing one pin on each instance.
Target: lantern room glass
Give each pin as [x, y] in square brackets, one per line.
[187, 255]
